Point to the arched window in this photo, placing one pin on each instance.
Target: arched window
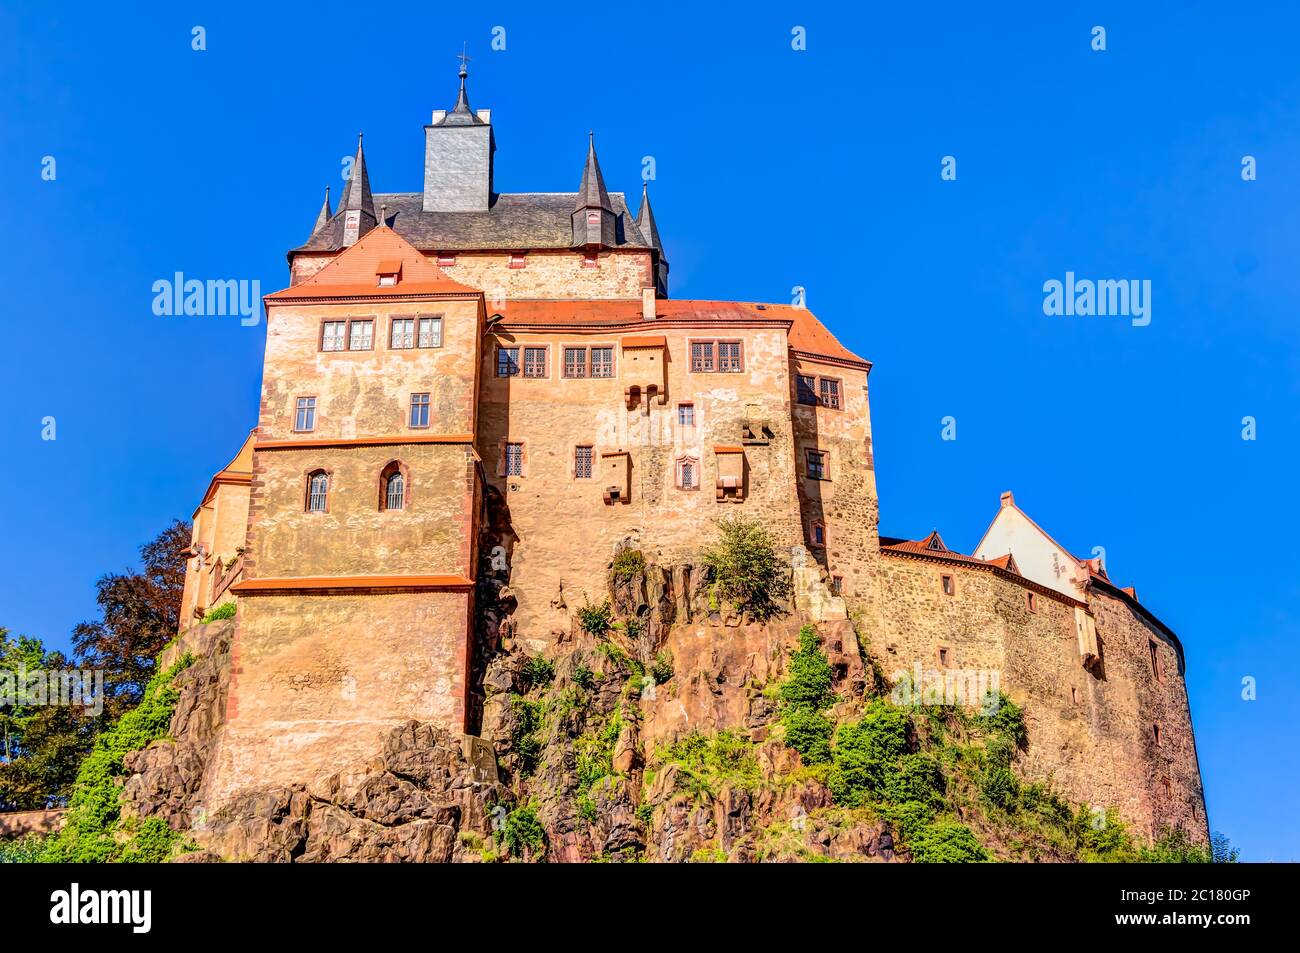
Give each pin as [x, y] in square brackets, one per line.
[396, 491]
[318, 489]
[394, 486]
[688, 473]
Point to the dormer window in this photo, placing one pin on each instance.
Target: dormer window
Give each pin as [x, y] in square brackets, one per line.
[446, 260]
[389, 273]
[591, 260]
[518, 260]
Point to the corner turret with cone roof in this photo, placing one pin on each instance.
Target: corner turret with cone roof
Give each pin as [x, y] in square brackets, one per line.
[645, 222]
[358, 205]
[594, 222]
[458, 148]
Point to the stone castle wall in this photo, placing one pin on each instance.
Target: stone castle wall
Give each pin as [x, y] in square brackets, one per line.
[1091, 732]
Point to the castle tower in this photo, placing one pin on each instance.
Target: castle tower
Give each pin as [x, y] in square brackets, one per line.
[458, 147]
[645, 223]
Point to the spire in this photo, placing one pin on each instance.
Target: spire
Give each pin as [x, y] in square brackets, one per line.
[645, 219]
[645, 223]
[323, 217]
[461, 114]
[358, 205]
[592, 194]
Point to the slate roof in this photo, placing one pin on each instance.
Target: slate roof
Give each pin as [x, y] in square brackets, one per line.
[515, 221]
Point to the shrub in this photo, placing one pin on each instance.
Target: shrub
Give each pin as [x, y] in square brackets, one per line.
[866, 752]
[583, 677]
[627, 564]
[746, 569]
[808, 732]
[523, 735]
[1000, 787]
[225, 610]
[596, 620]
[24, 850]
[522, 831]
[946, 842]
[708, 763]
[1006, 721]
[537, 671]
[661, 670]
[809, 680]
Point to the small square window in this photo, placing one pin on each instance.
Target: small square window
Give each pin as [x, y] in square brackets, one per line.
[446, 261]
[518, 261]
[949, 587]
[575, 362]
[582, 463]
[361, 335]
[419, 410]
[590, 260]
[837, 585]
[729, 361]
[816, 460]
[305, 416]
[702, 356]
[402, 335]
[602, 362]
[430, 332]
[686, 415]
[507, 362]
[333, 336]
[830, 393]
[534, 362]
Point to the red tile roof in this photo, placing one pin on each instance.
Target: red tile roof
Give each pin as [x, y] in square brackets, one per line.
[807, 335]
[354, 273]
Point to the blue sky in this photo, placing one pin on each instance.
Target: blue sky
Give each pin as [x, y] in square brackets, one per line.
[775, 168]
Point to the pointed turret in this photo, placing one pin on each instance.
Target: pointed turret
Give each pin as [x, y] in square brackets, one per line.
[324, 215]
[594, 224]
[358, 205]
[645, 223]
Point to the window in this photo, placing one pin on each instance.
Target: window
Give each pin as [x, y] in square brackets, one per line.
[729, 357]
[1168, 786]
[318, 488]
[575, 362]
[949, 587]
[361, 335]
[446, 261]
[333, 336]
[394, 486]
[514, 459]
[602, 362]
[534, 362]
[507, 362]
[305, 418]
[518, 261]
[817, 532]
[403, 333]
[394, 491]
[582, 463]
[1074, 695]
[1155, 658]
[807, 389]
[590, 260]
[1031, 601]
[419, 410]
[830, 393]
[702, 356]
[430, 332]
[686, 415]
[387, 281]
[688, 473]
[837, 585]
[1155, 733]
[943, 656]
[816, 460]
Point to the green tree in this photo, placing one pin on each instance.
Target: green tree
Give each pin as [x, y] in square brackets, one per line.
[746, 569]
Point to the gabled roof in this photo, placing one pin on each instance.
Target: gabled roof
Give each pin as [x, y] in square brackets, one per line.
[925, 548]
[355, 273]
[238, 471]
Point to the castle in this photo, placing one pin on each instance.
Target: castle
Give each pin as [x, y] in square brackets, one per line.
[460, 378]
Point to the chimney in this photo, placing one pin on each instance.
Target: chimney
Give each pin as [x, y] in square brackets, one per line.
[1008, 499]
[648, 304]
